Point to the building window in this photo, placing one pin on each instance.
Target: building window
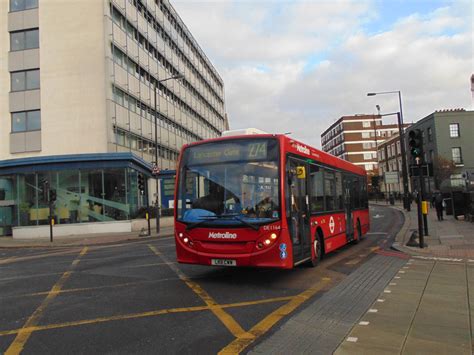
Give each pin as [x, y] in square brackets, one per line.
[22, 40]
[25, 80]
[457, 155]
[365, 134]
[454, 130]
[430, 134]
[368, 156]
[20, 5]
[366, 124]
[26, 121]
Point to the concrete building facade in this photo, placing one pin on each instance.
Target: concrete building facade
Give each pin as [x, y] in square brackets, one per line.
[447, 138]
[77, 105]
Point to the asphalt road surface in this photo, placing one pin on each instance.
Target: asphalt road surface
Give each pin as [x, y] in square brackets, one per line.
[134, 298]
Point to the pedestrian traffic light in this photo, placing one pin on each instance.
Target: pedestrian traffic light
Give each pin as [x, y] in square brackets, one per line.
[141, 183]
[415, 142]
[52, 195]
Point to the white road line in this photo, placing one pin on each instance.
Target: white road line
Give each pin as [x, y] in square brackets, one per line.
[387, 291]
[352, 339]
[373, 310]
[392, 284]
[380, 300]
[364, 323]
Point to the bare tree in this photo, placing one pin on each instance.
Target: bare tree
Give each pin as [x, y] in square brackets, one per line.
[442, 169]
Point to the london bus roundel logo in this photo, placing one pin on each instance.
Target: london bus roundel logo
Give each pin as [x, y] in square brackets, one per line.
[331, 224]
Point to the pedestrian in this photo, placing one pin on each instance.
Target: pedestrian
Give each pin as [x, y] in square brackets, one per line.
[438, 202]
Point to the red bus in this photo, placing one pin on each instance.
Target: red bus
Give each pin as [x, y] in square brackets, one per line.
[265, 200]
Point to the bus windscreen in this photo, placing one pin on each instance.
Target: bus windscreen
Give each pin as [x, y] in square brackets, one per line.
[229, 183]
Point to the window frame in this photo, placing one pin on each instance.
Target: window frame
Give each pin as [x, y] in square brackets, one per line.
[24, 33]
[24, 7]
[25, 80]
[460, 161]
[456, 130]
[27, 119]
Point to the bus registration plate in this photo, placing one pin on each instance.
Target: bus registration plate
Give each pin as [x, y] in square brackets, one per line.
[223, 262]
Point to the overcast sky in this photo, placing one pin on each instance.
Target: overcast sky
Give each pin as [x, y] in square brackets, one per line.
[296, 66]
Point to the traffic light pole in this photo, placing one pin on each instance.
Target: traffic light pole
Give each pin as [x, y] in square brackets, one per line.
[420, 200]
[406, 202]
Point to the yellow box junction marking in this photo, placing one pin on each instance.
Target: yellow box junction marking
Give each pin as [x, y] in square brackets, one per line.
[269, 321]
[230, 323]
[140, 315]
[25, 332]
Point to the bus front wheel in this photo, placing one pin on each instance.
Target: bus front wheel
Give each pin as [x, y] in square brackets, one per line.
[318, 250]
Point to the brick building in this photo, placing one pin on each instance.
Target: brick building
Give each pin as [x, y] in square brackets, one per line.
[355, 139]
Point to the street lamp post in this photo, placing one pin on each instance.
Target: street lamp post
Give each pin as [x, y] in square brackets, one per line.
[406, 203]
[157, 206]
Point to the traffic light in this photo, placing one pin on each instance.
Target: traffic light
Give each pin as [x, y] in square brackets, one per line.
[415, 141]
[45, 184]
[141, 183]
[52, 195]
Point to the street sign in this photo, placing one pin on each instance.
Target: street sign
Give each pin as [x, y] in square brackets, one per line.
[391, 177]
[155, 170]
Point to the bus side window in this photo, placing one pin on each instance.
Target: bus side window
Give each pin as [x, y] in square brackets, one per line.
[339, 189]
[329, 190]
[356, 193]
[316, 189]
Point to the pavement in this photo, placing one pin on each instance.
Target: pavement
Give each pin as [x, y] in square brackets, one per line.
[83, 240]
[428, 305]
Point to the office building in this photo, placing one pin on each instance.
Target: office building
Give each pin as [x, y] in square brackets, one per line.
[78, 110]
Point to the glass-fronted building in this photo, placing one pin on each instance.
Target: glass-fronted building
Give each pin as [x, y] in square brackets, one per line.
[89, 188]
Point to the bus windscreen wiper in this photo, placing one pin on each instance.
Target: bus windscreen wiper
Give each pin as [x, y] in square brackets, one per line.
[197, 224]
[238, 218]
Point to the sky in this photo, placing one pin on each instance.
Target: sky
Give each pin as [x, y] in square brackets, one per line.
[297, 66]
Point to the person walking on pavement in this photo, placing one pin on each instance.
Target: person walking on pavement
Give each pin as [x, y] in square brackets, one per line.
[438, 202]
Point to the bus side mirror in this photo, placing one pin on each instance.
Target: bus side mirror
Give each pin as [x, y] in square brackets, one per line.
[301, 172]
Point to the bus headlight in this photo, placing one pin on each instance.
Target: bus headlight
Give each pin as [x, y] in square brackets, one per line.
[180, 235]
[273, 236]
[267, 242]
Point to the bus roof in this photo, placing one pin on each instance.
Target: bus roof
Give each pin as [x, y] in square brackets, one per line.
[296, 147]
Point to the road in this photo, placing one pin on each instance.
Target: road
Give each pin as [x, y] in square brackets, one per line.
[134, 297]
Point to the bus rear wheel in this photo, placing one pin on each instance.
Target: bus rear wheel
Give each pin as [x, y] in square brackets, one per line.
[358, 237]
[318, 251]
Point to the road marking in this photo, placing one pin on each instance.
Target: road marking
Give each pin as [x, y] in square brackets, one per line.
[230, 323]
[392, 284]
[240, 343]
[352, 339]
[373, 310]
[397, 277]
[439, 258]
[364, 323]
[142, 315]
[401, 271]
[25, 332]
[380, 300]
[36, 256]
[387, 291]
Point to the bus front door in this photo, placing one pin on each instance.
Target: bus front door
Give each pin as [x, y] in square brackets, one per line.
[348, 209]
[298, 212]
